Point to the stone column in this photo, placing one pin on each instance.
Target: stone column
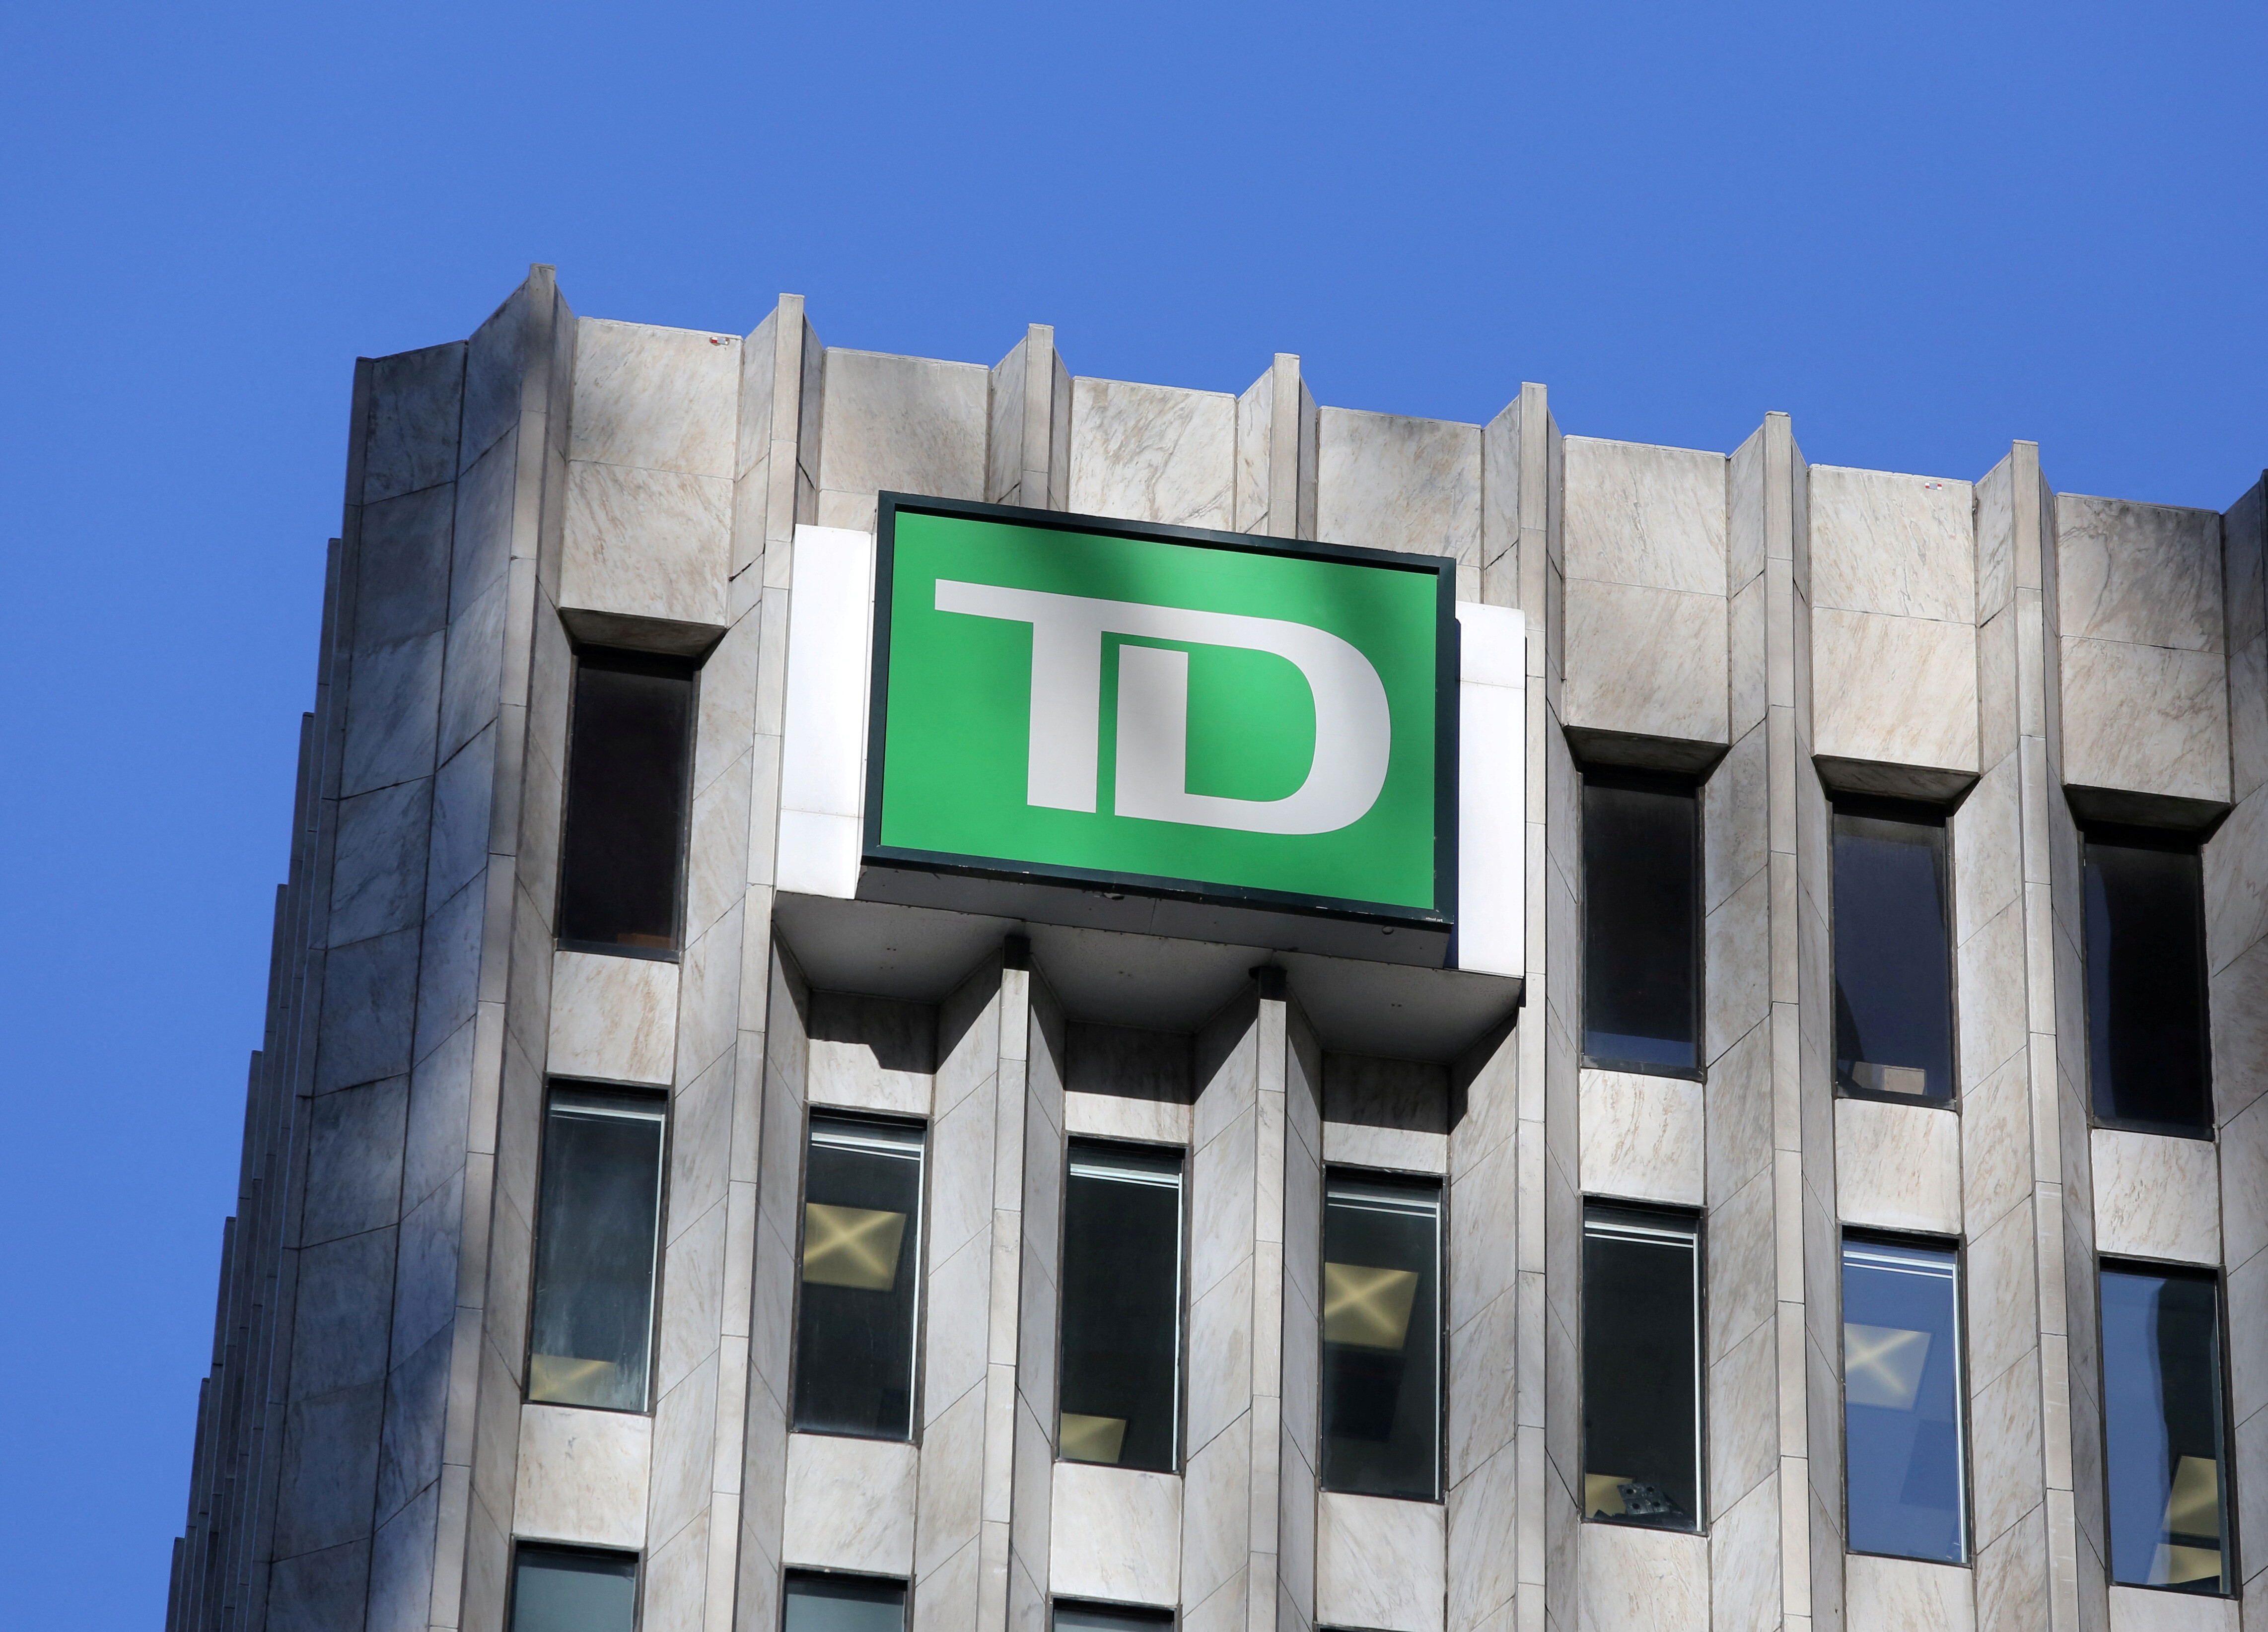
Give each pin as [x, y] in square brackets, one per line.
[1275, 427]
[1027, 457]
[776, 460]
[2236, 947]
[1032, 1499]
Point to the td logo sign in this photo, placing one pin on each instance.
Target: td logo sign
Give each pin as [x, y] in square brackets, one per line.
[1176, 712]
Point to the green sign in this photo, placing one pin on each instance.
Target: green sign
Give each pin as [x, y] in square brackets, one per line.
[1162, 710]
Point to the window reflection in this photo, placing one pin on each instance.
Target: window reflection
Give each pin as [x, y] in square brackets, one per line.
[1641, 923]
[1904, 1455]
[1111, 1618]
[564, 1589]
[597, 1225]
[854, 1355]
[815, 1602]
[1122, 1307]
[1893, 962]
[1641, 1368]
[1381, 1337]
[2146, 982]
[2164, 1448]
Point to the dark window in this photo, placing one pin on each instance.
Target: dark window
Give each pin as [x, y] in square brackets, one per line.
[629, 759]
[564, 1589]
[2146, 988]
[2164, 1450]
[597, 1223]
[1893, 955]
[1382, 1337]
[1109, 1618]
[1905, 1459]
[812, 1602]
[1641, 923]
[1122, 1307]
[1641, 1368]
[854, 1341]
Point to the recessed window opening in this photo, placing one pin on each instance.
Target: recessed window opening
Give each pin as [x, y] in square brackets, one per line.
[1906, 1458]
[572, 1589]
[1641, 1367]
[2146, 1033]
[813, 1600]
[857, 1317]
[1121, 1389]
[1641, 923]
[2165, 1444]
[1893, 953]
[1071, 1617]
[1381, 1383]
[598, 1228]
[629, 766]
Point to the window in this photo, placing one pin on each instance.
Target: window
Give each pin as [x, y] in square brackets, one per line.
[1122, 1307]
[1641, 1368]
[2145, 984]
[598, 1219]
[1893, 955]
[629, 762]
[1381, 1337]
[854, 1341]
[2164, 1447]
[812, 1602]
[1904, 1461]
[1111, 1618]
[567, 1589]
[1641, 924]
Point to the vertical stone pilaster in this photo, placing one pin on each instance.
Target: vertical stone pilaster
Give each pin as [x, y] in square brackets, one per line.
[1234, 1279]
[781, 1053]
[1276, 429]
[960, 1529]
[1027, 458]
[2039, 1398]
[776, 487]
[1031, 1527]
[1004, 1293]
[1521, 567]
[1300, 1449]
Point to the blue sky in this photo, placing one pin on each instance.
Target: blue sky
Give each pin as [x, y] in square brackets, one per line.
[1923, 229]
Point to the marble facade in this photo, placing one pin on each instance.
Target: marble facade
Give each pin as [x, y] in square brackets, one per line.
[364, 1457]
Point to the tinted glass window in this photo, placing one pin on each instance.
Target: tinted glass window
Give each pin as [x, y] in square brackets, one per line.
[1641, 1368]
[629, 758]
[2164, 1451]
[558, 1589]
[854, 1345]
[2146, 988]
[1905, 1461]
[597, 1223]
[1122, 1307]
[1893, 958]
[1111, 1618]
[817, 1603]
[1381, 1337]
[1641, 924]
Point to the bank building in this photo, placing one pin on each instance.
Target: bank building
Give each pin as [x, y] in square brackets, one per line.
[923, 997]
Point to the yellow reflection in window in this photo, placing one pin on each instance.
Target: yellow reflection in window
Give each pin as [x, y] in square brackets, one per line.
[1365, 1307]
[2193, 1504]
[2172, 1566]
[565, 1380]
[1091, 1438]
[1603, 1495]
[852, 1246]
[1881, 1365]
